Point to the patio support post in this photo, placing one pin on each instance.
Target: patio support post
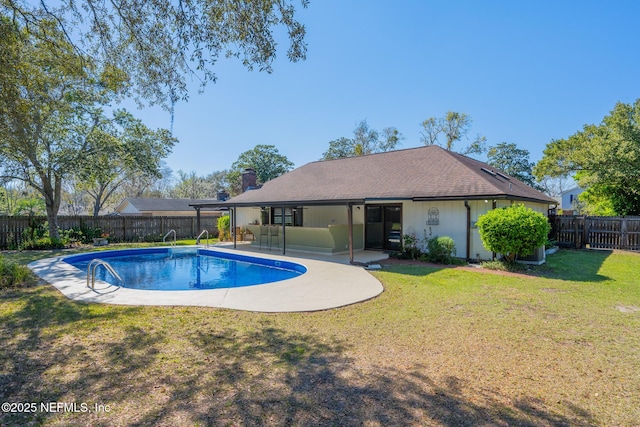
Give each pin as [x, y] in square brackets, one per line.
[284, 231]
[350, 226]
[233, 227]
[197, 219]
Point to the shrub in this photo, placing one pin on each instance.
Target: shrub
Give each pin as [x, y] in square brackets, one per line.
[90, 233]
[13, 275]
[224, 223]
[72, 235]
[410, 248]
[43, 243]
[442, 249]
[513, 231]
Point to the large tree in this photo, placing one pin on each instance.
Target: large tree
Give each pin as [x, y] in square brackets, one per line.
[514, 161]
[123, 149]
[365, 141]
[265, 160]
[149, 186]
[49, 105]
[604, 159]
[452, 127]
[159, 45]
[192, 186]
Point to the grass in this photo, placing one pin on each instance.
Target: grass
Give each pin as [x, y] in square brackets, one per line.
[441, 346]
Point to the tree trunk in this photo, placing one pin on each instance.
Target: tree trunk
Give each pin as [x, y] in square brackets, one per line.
[52, 196]
[96, 207]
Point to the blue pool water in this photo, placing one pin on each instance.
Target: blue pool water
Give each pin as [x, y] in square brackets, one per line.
[186, 268]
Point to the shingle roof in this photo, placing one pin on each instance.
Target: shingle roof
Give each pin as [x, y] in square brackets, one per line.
[429, 172]
[149, 204]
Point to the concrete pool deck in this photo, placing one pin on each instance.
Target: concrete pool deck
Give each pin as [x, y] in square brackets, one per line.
[328, 283]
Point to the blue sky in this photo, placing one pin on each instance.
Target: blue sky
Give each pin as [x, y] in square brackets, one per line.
[526, 73]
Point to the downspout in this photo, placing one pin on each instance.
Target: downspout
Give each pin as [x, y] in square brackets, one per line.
[466, 205]
[350, 230]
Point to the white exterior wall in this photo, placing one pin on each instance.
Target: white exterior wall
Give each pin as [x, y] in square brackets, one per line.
[452, 222]
[129, 209]
[570, 197]
[245, 216]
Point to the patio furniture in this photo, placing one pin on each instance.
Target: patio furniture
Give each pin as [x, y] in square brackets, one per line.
[249, 234]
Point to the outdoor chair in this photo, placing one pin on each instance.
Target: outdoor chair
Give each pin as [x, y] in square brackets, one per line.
[248, 234]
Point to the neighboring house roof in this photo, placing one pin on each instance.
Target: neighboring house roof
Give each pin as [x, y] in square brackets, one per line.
[425, 173]
[147, 204]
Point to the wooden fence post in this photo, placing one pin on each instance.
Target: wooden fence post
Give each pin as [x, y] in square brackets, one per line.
[585, 232]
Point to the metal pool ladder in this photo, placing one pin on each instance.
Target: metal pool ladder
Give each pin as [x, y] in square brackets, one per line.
[91, 272]
[200, 235]
[164, 239]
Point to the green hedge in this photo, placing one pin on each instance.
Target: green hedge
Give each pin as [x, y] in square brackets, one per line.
[513, 231]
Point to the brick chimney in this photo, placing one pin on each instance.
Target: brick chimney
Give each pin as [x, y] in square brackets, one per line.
[249, 179]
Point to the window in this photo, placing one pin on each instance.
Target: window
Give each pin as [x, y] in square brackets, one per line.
[292, 216]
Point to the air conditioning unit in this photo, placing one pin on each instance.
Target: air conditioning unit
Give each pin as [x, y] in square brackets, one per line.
[537, 258]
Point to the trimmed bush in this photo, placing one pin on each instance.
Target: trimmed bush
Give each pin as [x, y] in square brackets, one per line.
[513, 231]
[442, 249]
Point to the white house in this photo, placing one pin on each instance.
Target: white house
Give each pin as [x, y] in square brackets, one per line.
[370, 202]
[569, 200]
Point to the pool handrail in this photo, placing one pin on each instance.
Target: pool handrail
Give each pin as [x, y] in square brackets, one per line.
[167, 235]
[95, 263]
[200, 235]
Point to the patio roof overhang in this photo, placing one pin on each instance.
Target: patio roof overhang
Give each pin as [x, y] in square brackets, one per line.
[278, 203]
[348, 203]
[482, 197]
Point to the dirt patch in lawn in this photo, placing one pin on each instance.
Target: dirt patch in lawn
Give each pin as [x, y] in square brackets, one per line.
[476, 268]
[628, 308]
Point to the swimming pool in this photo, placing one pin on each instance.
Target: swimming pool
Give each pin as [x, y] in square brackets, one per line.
[174, 269]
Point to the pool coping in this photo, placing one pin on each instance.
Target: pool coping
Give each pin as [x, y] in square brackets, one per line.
[325, 285]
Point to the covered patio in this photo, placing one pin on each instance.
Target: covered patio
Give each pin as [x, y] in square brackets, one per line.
[277, 227]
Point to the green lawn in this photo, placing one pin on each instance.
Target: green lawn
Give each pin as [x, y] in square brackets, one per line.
[439, 347]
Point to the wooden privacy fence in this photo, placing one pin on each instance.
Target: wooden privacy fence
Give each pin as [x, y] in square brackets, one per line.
[597, 232]
[119, 228]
